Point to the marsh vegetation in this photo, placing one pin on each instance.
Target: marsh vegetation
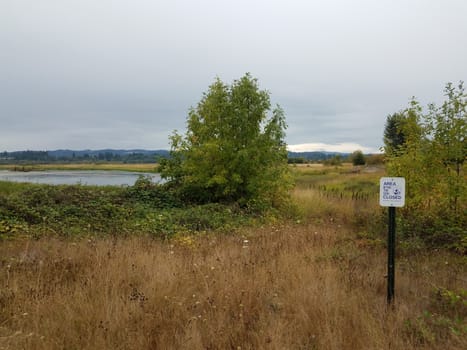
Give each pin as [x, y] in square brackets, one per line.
[99, 275]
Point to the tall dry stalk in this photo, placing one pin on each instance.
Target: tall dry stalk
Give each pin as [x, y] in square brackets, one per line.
[286, 287]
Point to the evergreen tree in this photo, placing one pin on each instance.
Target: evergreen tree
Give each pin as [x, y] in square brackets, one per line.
[393, 136]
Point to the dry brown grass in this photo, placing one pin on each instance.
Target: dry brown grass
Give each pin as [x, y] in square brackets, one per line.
[295, 286]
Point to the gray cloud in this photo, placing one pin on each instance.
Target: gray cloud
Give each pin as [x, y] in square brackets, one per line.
[115, 73]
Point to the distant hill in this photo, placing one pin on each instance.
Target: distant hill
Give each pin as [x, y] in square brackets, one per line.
[316, 155]
[124, 155]
[65, 155]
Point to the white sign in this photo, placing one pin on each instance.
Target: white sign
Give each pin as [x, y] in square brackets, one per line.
[392, 191]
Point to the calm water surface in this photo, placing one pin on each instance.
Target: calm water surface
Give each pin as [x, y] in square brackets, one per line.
[83, 177]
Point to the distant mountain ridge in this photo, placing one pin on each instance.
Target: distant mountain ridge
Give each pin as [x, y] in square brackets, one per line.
[121, 152]
[130, 155]
[68, 155]
[316, 155]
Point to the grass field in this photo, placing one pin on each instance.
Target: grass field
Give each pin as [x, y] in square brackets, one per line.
[315, 281]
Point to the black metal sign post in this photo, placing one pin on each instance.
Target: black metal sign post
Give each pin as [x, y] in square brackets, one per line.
[391, 253]
[392, 195]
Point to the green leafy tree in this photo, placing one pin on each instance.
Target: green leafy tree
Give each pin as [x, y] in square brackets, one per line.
[432, 159]
[358, 158]
[233, 149]
[447, 126]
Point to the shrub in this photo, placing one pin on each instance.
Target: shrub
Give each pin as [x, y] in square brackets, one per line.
[431, 158]
[152, 194]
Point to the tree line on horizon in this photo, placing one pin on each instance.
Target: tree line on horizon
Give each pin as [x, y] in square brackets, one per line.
[146, 156]
[83, 156]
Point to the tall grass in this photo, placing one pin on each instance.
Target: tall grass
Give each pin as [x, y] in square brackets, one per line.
[314, 283]
[328, 194]
[283, 287]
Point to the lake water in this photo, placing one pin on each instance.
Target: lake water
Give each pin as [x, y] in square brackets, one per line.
[83, 177]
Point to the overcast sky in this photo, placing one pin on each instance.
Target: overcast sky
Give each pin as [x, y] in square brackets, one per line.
[98, 74]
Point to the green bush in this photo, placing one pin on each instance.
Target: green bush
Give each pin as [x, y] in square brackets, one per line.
[146, 208]
[429, 151]
[444, 317]
[152, 194]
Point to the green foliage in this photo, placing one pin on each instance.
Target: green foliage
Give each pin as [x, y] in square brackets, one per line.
[198, 218]
[432, 161]
[445, 317]
[296, 160]
[402, 130]
[157, 196]
[145, 208]
[9, 228]
[358, 158]
[63, 209]
[232, 151]
[336, 160]
[394, 137]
